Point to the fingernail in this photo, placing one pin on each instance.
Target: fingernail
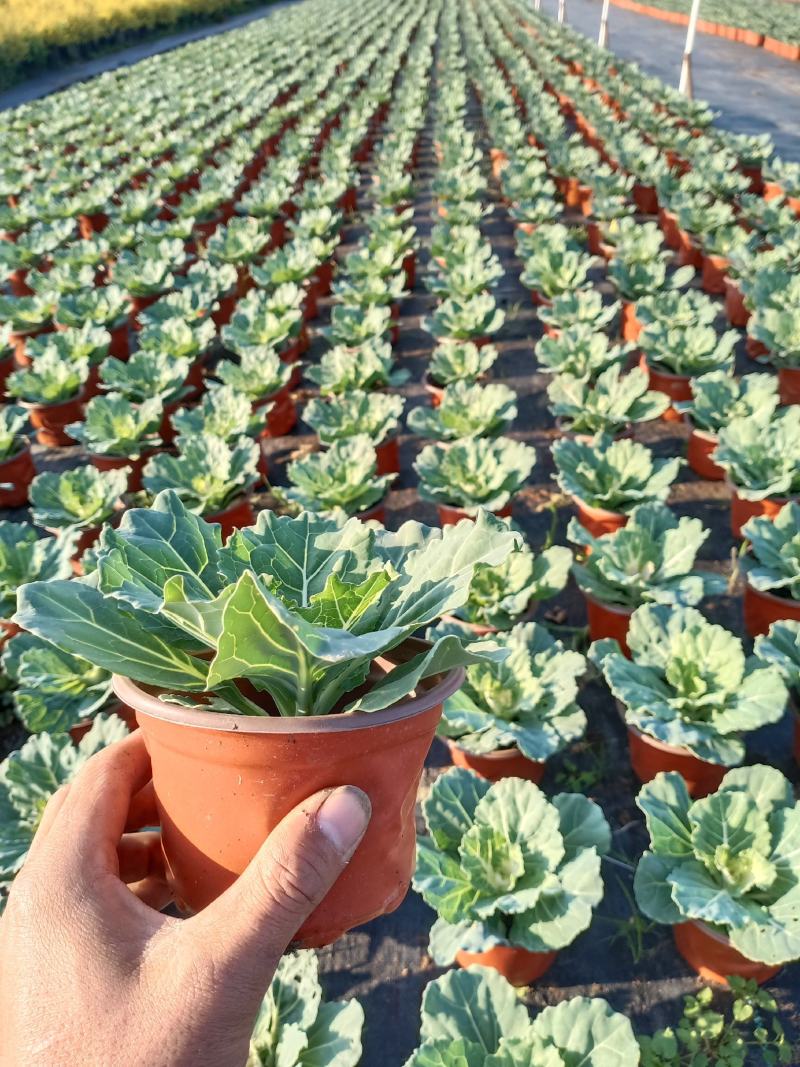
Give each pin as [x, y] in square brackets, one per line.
[343, 817]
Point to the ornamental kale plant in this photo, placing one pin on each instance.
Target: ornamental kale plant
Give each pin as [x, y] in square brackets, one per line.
[113, 426]
[580, 307]
[466, 410]
[579, 352]
[728, 860]
[761, 454]
[50, 380]
[475, 1017]
[146, 375]
[650, 559]
[298, 606]
[690, 350]
[477, 472]
[370, 366]
[505, 866]
[354, 325]
[688, 683]
[356, 412]
[53, 690]
[27, 557]
[773, 563]
[465, 319]
[105, 306]
[265, 320]
[345, 476]
[460, 361]
[608, 405]
[718, 398]
[259, 373]
[30, 776]
[296, 1028]
[222, 412]
[614, 475]
[781, 648]
[79, 499]
[13, 425]
[527, 700]
[87, 342]
[208, 473]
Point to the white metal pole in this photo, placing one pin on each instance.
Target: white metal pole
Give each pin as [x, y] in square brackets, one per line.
[537, 5]
[602, 39]
[562, 10]
[686, 85]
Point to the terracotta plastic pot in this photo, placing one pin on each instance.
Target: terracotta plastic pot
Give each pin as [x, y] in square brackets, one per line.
[735, 309]
[410, 268]
[675, 386]
[140, 304]
[6, 367]
[517, 965]
[449, 516]
[297, 347]
[435, 392]
[224, 313]
[388, 457]
[668, 221]
[215, 773]
[504, 763]
[540, 301]
[755, 349]
[608, 620]
[761, 609]
[324, 275]
[646, 198]
[17, 472]
[649, 757]
[742, 510]
[772, 191]
[89, 225]
[714, 268]
[238, 514]
[135, 465]
[630, 326]
[377, 513]
[598, 521]
[789, 385]
[702, 445]
[714, 958]
[282, 416]
[87, 538]
[689, 253]
[49, 420]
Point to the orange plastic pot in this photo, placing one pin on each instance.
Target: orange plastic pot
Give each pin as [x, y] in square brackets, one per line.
[6, 367]
[517, 965]
[140, 304]
[762, 608]
[689, 254]
[701, 448]
[449, 516]
[755, 349]
[742, 510]
[649, 757]
[435, 392]
[282, 416]
[608, 620]
[569, 191]
[49, 420]
[598, 521]
[224, 313]
[135, 466]
[388, 457]
[234, 517]
[668, 221]
[87, 538]
[772, 191]
[17, 472]
[646, 198]
[630, 326]
[675, 386]
[89, 225]
[789, 385]
[377, 513]
[223, 782]
[504, 763]
[297, 347]
[735, 309]
[714, 958]
[714, 268]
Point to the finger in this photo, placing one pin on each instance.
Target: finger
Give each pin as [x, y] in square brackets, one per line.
[143, 810]
[154, 892]
[54, 806]
[96, 809]
[140, 856]
[244, 933]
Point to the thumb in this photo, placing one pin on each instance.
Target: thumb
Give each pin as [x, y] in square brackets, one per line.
[242, 935]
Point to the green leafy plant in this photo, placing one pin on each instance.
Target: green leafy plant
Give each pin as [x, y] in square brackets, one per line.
[779, 330]
[27, 314]
[13, 426]
[239, 241]
[465, 319]
[579, 307]
[502, 865]
[353, 325]
[579, 352]
[105, 306]
[259, 373]
[344, 476]
[727, 860]
[222, 412]
[145, 375]
[27, 557]
[640, 265]
[53, 690]
[527, 700]
[265, 320]
[614, 475]
[781, 648]
[50, 380]
[466, 410]
[460, 361]
[611, 403]
[718, 398]
[340, 594]
[113, 426]
[28, 778]
[79, 499]
[208, 473]
[474, 473]
[295, 1027]
[475, 1017]
[375, 415]
[689, 350]
[649, 560]
[773, 563]
[169, 332]
[760, 453]
[370, 366]
[688, 683]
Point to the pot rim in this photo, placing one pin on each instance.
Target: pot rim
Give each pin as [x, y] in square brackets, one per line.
[590, 509]
[703, 435]
[767, 595]
[614, 609]
[24, 449]
[497, 755]
[663, 747]
[734, 488]
[645, 363]
[134, 696]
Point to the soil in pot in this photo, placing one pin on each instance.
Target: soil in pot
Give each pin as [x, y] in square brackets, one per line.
[449, 516]
[388, 456]
[742, 510]
[761, 609]
[213, 771]
[598, 521]
[649, 757]
[702, 445]
[49, 420]
[714, 958]
[238, 514]
[789, 385]
[517, 965]
[17, 472]
[675, 386]
[504, 763]
[608, 620]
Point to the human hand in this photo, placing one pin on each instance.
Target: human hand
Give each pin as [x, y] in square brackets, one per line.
[92, 974]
